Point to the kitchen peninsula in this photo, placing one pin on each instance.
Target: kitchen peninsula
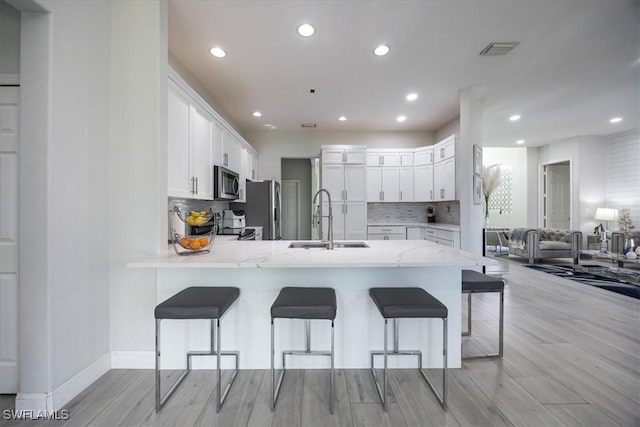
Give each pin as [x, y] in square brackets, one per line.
[261, 268]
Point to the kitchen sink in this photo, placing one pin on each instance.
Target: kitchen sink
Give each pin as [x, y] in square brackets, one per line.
[324, 245]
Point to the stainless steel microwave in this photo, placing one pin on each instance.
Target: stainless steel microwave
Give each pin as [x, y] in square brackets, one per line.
[226, 183]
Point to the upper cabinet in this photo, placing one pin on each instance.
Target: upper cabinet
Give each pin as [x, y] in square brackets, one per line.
[344, 154]
[444, 170]
[198, 138]
[189, 133]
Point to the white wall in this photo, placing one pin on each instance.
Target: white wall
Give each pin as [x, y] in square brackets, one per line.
[450, 128]
[138, 156]
[273, 145]
[516, 159]
[64, 181]
[9, 39]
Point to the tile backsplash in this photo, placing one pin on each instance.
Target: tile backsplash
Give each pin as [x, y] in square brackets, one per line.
[446, 212]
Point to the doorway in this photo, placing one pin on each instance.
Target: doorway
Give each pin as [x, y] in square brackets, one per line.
[557, 195]
[297, 193]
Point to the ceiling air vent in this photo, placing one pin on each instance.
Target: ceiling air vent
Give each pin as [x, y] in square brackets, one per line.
[498, 48]
[309, 125]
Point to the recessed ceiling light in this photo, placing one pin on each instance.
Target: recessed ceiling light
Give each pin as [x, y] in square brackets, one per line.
[306, 30]
[401, 118]
[218, 52]
[515, 117]
[412, 97]
[381, 50]
[615, 120]
[267, 125]
[257, 114]
[520, 141]
[342, 118]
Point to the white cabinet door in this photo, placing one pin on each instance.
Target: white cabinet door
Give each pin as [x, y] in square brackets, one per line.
[355, 156]
[200, 129]
[415, 233]
[333, 181]
[374, 159]
[445, 149]
[391, 159]
[355, 183]
[423, 183]
[216, 144]
[230, 151]
[406, 159]
[332, 156]
[444, 179]
[406, 184]
[423, 157]
[254, 166]
[245, 165]
[374, 184]
[179, 179]
[355, 220]
[390, 184]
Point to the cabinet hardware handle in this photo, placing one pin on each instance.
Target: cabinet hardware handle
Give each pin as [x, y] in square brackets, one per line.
[430, 194]
[196, 185]
[253, 174]
[401, 195]
[380, 196]
[344, 157]
[442, 153]
[431, 154]
[382, 160]
[442, 193]
[346, 209]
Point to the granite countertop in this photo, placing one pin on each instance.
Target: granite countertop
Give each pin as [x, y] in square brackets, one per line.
[439, 225]
[231, 253]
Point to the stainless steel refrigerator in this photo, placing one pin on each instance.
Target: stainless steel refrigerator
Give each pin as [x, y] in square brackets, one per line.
[262, 208]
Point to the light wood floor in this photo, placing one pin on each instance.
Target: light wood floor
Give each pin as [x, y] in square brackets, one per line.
[572, 357]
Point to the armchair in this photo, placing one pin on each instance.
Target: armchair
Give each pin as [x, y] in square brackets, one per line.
[545, 243]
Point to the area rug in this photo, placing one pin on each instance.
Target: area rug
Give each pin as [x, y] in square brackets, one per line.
[597, 276]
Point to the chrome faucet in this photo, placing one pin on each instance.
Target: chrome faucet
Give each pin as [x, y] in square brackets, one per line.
[330, 217]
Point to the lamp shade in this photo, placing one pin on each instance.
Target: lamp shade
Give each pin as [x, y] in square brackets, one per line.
[606, 214]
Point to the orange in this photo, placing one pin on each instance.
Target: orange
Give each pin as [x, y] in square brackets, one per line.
[203, 242]
[195, 244]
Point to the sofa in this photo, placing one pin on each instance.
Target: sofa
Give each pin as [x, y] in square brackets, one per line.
[618, 239]
[539, 243]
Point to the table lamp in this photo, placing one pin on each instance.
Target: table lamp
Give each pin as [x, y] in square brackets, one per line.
[605, 214]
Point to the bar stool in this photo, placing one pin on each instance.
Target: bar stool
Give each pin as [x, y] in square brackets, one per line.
[197, 303]
[474, 282]
[397, 303]
[308, 304]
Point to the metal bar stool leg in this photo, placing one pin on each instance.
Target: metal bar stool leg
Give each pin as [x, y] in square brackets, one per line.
[466, 334]
[332, 370]
[501, 327]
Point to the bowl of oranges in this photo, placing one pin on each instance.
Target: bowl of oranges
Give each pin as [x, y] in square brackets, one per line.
[190, 245]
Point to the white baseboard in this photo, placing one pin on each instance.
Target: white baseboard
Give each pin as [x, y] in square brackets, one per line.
[63, 394]
[34, 402]
[133, 359]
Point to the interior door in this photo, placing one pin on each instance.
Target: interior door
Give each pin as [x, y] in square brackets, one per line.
[290, 209]
[558, 196]
[9, 149]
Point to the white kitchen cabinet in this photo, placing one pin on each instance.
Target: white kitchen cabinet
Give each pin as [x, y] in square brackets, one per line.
[190, 152]
[406, 184]
[230, 151]
[383, 184]
[423, 156]
[179, 183]
[355, 183]
[445, 149]
[416, 233]
[243, 174]
[383, 158]
[423, 183]
[344, 155]
[444, 180]
[254, 166]
[348, 221]
[383, 232]
[406, 159]
[333, 180]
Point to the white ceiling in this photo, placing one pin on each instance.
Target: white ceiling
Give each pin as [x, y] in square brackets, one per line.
[577, 64]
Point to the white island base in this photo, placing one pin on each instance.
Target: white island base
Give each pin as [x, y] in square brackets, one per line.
[261, 268]
[358, 324]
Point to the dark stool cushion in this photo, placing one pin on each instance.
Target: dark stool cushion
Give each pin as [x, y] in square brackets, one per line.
[473, 281]
[197, 303]
[407, 302]
[305, 303]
